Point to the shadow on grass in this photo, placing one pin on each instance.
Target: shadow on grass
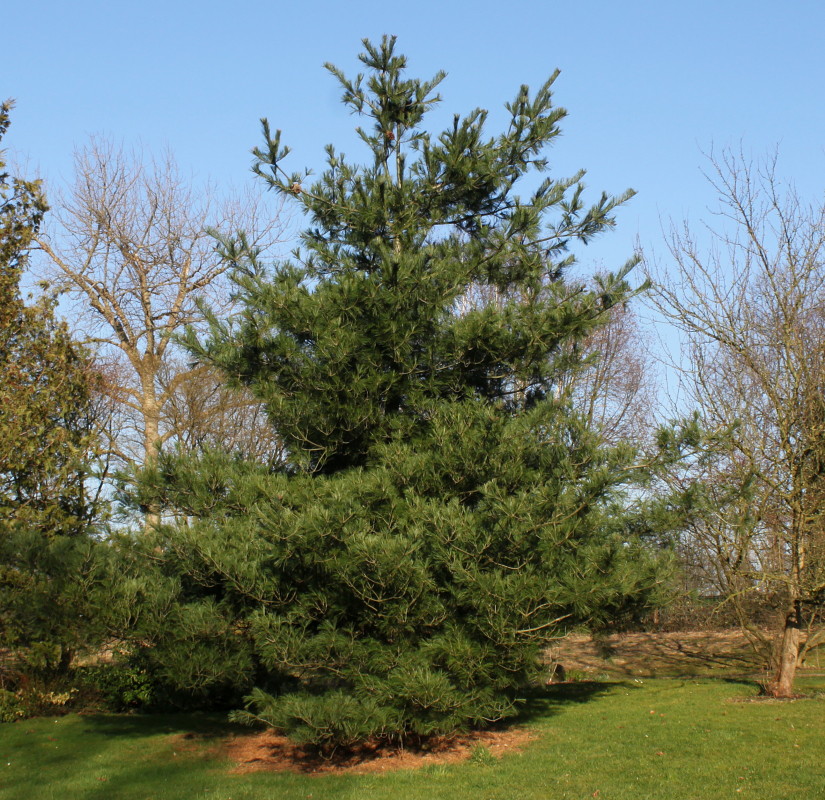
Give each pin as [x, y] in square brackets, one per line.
[539, 702]
[543, 701]
[733, 680]
[194, 725]
[206, 731]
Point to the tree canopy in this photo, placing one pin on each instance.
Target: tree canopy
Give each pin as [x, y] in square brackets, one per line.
[47, 430]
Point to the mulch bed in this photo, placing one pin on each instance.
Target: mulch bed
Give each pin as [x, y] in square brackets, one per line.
[267, 751]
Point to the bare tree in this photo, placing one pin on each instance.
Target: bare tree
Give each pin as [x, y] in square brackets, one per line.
[205, 412]
[615, 386]
[751, 308]
[134, 252]
[616, 391]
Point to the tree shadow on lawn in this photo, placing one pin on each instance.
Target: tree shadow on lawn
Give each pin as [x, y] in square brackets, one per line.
[205, 726]
[543, 701]
[807, 688]
[211, 736]
[267, 751]
[192, 725]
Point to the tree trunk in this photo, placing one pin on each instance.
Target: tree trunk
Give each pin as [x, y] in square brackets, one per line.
[151, 438]
[65, 660]
[782, 683]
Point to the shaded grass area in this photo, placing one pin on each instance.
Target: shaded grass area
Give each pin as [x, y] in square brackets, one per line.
[631, 740]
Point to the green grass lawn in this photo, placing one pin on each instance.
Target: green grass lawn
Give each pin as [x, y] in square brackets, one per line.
[657, 739]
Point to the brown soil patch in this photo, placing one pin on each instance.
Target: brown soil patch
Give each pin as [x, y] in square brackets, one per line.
[267, 751]
[765, 700]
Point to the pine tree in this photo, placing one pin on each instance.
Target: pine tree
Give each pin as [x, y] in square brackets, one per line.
[444, 511]
[46, 431]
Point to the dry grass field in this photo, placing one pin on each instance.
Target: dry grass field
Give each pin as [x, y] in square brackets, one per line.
[666, 655]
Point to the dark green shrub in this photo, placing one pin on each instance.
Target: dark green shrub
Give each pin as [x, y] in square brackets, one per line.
[121, 687]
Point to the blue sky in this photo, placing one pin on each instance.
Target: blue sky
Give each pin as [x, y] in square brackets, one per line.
[648, 85]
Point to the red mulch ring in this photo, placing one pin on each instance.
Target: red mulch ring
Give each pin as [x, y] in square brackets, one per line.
[267, 751]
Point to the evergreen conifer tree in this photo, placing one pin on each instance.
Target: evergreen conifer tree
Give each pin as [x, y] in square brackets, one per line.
[444, 511]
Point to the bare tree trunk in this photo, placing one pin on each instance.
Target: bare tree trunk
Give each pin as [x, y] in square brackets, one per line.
[782, 683]
[151, 441]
